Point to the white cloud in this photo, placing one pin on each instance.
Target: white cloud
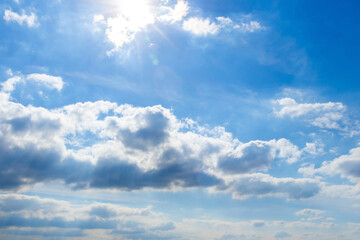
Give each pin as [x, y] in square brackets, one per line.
[307, 170]
[324, 115]
[48, 217]
[135, 16]
[9, 85]
[314, 148]
[45, 80]
[48, 81]
[176, 14]
[99, 18]
[224, 20]
[9, 72]
[30, 20]
[126, 148]
[201, 27]
[38, 217]
[310, 214]
[289, 107]
[252, 26]
[348, 166]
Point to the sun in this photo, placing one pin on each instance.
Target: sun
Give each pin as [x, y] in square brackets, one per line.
[137, 12]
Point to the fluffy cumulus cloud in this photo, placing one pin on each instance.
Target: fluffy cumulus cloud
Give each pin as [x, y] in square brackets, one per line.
[9, 85]
[105, 145]
[199, 26]
[323, 115]
[347, 166]
[137, 16]
[30, 20]
[47, 81]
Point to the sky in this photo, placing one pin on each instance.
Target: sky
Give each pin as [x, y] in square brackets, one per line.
[179, 119]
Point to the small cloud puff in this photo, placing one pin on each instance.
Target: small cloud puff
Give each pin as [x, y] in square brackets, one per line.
[201, 27]
[30, 20]
[48, 81]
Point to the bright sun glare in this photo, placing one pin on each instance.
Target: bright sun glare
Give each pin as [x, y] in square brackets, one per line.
[137, 13]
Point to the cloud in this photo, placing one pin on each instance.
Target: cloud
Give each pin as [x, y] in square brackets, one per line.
[258, 224]
[22, 215]
[204, 27]
[258, 184]
[29, 20]
[9, 85]
[348, 166]
[258, 155]
[165, 227]
[176, 14]
[135, 17]
[48, 81]
[46, 233]
[310, 214]
[106, 211]
[201, 27]
[323, 115]
[289, 107]
[110, 146]
[224, 20]
[252, 26]
[281, 235]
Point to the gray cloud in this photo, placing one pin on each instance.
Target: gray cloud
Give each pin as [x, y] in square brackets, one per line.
[259, 224]
[117, 174]
[254, 157]
[265, 185]
[18, 220]
[46, 234]
[281, 235]
[154, 133]
[165, 227]
[21, 211]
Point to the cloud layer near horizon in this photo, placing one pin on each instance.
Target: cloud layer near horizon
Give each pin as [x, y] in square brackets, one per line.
[105, 145]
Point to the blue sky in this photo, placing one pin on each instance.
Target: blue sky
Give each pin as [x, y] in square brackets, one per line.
[175, 119]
